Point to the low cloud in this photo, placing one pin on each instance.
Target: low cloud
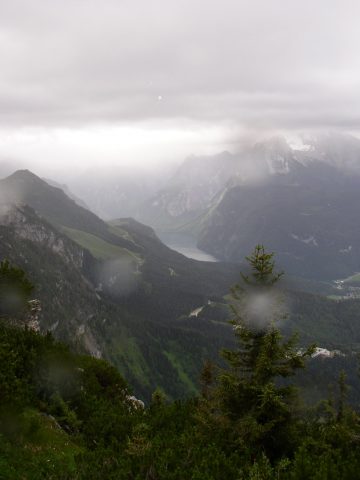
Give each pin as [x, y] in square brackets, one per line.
[266, 64]
[172, 67]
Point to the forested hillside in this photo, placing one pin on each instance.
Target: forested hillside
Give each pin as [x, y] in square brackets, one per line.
[66, 416]
[89, 320]
[115, 291]
[179, 240]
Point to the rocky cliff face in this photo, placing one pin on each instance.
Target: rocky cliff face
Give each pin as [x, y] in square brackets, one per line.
[40, 232]
[190, 191]
[55, 264]
[200, 181]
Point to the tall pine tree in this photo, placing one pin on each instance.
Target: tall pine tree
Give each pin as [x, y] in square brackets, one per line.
[251, 394]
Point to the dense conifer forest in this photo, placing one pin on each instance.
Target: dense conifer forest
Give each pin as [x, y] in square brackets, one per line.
[70, 416]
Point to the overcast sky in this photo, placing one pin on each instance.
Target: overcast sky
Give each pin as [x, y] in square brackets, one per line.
[143, 80]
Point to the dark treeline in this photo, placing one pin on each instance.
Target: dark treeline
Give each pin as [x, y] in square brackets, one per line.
[70, 416]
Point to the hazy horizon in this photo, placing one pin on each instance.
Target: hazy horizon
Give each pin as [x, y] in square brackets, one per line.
[91, 83]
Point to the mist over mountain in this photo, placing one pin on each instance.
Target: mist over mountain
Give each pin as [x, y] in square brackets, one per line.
[199, 181]
[113, 192]
[115, 291]
[7, 167]
[67, 191]
[299, 198]
[112, 290]
[179, 240]
[152, 334]
[298, 195]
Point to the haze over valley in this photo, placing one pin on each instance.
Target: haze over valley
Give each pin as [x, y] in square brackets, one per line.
[179, 240]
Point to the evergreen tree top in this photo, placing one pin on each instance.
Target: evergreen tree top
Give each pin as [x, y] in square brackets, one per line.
[262, 268]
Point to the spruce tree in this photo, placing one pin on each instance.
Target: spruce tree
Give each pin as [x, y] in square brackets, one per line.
[251, 393]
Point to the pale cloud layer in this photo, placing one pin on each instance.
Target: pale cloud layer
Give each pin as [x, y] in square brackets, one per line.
[177, 66]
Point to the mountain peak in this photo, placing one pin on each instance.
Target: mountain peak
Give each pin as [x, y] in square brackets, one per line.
[52, 203]
[24, 176]
[16, 188]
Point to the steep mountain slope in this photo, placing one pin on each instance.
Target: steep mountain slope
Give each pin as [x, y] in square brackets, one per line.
[148, 353]
[299, 199]
[125, 296]
[131, 258]
[53, 204]
[173, 279]
[312, 224]
[190, 190]
[57, 266]
[200, 182]
[67, 192]
[115, 290]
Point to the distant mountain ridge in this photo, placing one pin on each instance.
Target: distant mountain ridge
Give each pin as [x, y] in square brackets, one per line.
[200, 181]
[309, 216]
[52, 203]
[299, 200]
[114, 290]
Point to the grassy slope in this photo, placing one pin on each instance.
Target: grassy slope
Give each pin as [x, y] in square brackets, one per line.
[98, 247]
